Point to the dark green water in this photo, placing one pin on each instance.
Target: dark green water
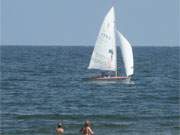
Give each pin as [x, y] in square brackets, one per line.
[41, 86]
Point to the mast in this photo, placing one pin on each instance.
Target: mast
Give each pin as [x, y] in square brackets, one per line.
[116, 72]
[113, 5]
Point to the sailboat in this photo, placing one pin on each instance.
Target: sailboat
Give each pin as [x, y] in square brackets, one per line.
[104, 56]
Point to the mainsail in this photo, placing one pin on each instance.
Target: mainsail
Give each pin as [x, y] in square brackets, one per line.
[127, 54]
[104, 54]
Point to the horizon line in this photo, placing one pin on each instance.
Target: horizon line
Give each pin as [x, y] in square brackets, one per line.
[48, 45]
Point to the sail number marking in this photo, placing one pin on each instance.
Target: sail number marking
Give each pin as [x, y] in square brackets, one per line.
[106, 36]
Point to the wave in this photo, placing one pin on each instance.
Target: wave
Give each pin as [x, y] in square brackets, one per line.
[114, 117]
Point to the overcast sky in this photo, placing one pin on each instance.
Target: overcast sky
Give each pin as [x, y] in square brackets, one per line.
[77, 22]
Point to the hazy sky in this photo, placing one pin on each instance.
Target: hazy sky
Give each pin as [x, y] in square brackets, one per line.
[77, 22]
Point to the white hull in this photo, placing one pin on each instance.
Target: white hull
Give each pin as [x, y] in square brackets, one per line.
[110, 78]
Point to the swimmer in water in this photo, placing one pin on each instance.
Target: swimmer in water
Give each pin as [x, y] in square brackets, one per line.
[86, 129]
[59, 129]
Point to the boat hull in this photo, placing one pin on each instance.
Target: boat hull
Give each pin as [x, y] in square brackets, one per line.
[110, 78]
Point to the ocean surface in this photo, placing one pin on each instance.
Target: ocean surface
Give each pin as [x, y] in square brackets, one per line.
[41, 86]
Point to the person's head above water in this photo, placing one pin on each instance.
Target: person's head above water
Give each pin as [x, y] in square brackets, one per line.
[87, 123]
[59, 125]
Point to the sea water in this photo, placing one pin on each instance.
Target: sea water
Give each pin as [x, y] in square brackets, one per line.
[41, 86]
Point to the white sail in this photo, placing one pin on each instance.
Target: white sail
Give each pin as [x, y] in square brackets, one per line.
[127, 54]
[104, 54]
